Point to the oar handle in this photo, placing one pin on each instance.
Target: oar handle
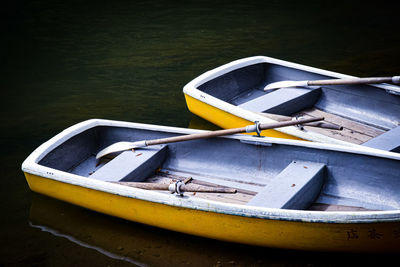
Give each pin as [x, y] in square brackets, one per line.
[373, 80]
[248, 129]
[317, 124]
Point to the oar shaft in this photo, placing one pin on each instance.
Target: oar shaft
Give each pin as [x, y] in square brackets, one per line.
[182, 187]
[121, 146]
[210, 134]
[324, 125]
[265, 126]
[195, 136]
[372, 80]
[318, 124]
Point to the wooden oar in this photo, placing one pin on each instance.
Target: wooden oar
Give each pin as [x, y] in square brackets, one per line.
[179, 187]
[374, 80]
[317, 124]
[122, 146]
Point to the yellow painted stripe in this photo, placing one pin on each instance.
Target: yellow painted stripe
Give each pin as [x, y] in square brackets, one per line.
[226, 120]
[263, 232]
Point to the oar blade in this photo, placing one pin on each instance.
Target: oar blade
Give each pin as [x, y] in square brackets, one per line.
[285, 84]
[118, 147]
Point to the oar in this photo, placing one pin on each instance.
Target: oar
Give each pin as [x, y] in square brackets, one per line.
[317, 124]
[122, 146]
[179, 187]
[375, 80]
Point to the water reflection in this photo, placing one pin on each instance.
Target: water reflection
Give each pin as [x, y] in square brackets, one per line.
[83, 244]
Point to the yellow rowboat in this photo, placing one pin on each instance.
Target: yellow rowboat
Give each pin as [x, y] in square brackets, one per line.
[233, 95]
[253, 190]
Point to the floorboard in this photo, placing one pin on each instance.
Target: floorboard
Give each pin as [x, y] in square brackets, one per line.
[353, 132]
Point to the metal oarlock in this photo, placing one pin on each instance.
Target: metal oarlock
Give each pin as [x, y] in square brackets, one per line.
[175, 188]
[298, 125]
[254, 128]
[258, 130]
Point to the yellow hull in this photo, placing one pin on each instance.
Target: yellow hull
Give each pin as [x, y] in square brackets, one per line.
[372, 237]
[226, 120]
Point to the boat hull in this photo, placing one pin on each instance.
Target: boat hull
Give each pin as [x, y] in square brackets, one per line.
[232, 95]
[277, 233]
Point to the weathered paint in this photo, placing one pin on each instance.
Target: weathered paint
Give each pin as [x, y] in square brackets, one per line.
[388, 141]
[296, 187]
[329, 236]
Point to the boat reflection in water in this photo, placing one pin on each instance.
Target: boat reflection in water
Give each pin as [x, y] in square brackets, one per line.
[142, 245]
[86, 245]
[121, 240]
[135, 243]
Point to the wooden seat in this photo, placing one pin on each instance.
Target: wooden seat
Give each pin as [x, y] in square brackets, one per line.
[389, 141]
[133, 166]
[295, 187]
[283, 101]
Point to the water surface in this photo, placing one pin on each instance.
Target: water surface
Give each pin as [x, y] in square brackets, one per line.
[68, 61]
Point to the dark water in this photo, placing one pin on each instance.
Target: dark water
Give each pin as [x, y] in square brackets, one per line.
[67, 61]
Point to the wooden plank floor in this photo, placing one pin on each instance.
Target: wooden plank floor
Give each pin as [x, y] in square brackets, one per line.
[353, 132]
[240, 197]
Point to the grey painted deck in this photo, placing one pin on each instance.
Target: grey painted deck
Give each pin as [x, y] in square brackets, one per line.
[349, 179]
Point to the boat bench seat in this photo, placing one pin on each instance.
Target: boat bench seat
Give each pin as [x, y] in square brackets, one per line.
[389, 141]
[295, 187]
[284, 101]
[133, 166]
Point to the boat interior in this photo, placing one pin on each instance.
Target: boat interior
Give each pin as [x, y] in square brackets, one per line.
[262, 174]
[368, 115]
